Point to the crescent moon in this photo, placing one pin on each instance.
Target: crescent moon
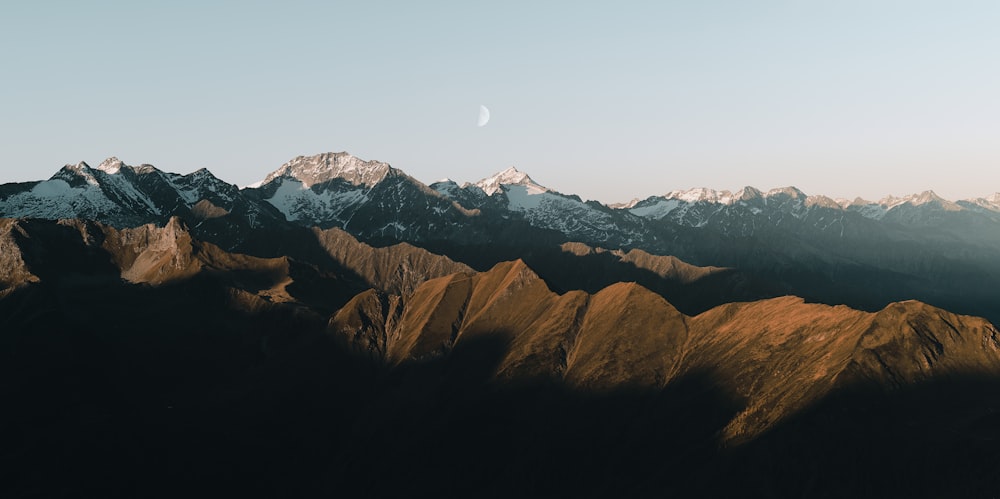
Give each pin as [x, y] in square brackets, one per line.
[484, 116]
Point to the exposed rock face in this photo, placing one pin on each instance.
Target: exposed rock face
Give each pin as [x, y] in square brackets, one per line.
[155, 255]
[204, 209]
[13, 271]
[364, 323]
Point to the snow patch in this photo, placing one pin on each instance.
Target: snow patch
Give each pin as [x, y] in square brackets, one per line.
[288, 196]
[511, 176]
[525, 197]
[54, 199]
[696, 194]
[54, 188]
[658, 210]
[626, 205]
[126, 189]
[111, 165]
[792, 192]
[298, 202]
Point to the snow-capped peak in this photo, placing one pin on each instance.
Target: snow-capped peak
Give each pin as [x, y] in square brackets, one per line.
[991, 203]
[626, 205]
[747, 193]
[510, 176]
[705, 194]
[792, 192]
[111, 165]
[324, 167]
[932, 197]
[80, 170]
[824, 201]
[697, 194]
[926, 197]
[202, 173]
[890, 201]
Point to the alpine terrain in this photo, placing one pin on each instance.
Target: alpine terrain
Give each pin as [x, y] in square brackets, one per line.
[342, 329]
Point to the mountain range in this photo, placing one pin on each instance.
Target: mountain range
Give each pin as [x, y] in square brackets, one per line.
[859, 253]
[341, 328]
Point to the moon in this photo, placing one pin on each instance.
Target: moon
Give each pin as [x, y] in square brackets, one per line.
[484, 116]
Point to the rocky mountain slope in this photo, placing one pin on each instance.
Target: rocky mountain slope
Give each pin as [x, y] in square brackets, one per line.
[779, 355]
[77, 252]
[863, 254]
[144, 362]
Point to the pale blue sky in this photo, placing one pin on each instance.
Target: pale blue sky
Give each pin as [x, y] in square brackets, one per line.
[609, 100]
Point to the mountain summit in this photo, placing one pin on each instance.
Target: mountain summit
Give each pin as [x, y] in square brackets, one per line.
[511, 176]
[311, 170]
[111, 165]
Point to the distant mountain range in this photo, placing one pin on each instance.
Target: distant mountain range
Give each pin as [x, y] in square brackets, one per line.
[860, 253]
[327, 189]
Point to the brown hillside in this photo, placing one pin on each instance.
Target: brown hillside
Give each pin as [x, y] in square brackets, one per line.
[780, 355]
[396, 269]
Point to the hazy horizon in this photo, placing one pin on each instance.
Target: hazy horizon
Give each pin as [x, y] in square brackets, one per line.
[610, 103]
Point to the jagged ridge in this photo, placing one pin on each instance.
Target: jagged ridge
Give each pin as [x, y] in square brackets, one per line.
[781, 355]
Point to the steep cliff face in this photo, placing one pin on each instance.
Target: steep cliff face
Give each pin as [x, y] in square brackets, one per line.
[153, 254]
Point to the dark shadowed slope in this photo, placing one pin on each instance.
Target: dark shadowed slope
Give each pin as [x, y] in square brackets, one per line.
[399, 268]
[321, 268]
[780, 355]
[143, 363]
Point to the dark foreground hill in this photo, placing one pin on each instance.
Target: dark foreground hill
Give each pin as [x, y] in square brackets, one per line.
[146, 363]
